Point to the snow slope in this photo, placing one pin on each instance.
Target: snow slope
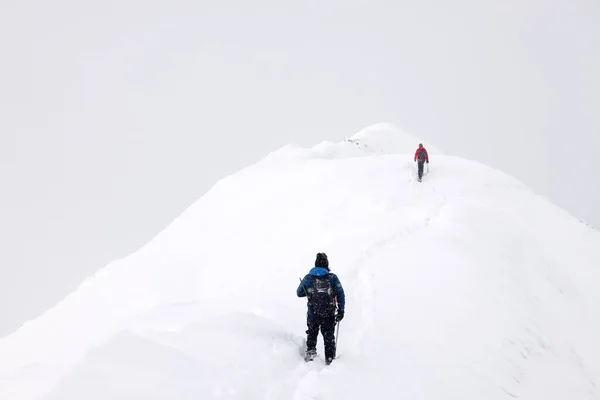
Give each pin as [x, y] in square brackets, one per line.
[466, 286]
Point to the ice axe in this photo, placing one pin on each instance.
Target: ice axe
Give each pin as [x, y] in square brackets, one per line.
[303, 288]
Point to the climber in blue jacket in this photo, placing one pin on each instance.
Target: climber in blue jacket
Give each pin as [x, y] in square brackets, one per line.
[325, 296]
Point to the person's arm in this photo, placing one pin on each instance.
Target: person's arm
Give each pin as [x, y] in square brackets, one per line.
[416, 153]
[303, 288]
[427, 156]
[339, 290]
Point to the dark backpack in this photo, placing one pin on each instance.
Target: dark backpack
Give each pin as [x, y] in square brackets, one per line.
[322, 299]
[422, 155]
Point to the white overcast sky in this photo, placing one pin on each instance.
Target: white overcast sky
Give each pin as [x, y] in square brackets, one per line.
[117, 115]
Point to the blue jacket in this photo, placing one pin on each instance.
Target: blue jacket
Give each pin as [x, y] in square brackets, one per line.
[306, 286]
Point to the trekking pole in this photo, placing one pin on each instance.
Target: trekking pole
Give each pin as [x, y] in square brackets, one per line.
[337, 333]
[337, 330]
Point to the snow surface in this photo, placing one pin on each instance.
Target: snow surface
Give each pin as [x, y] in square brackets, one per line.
[465, 286]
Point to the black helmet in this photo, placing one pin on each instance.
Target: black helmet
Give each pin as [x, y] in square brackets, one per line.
[321, 261]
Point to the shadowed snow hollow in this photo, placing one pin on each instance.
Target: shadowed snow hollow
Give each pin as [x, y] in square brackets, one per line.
[465, 286]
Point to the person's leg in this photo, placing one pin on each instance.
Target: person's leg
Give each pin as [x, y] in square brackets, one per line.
[328, 331]
[420, 163]
[312, 332]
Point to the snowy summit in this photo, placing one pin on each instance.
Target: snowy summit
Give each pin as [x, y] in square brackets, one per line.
[466, 285]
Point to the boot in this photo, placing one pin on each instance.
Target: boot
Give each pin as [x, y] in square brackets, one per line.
[310, 354]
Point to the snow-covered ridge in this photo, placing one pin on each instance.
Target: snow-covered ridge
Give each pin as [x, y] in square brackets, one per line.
[377, 139]
[467, 286]
[387, 139]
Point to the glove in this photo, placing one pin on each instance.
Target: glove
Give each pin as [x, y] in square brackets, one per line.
[339, 316]
[427, 161]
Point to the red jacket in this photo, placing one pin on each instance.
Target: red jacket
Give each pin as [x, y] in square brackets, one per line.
[426, 158]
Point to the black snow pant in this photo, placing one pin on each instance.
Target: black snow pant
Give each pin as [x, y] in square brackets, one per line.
[327, 325]
[420, 163]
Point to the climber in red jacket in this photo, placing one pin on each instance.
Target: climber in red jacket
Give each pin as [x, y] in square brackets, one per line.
[422, 157]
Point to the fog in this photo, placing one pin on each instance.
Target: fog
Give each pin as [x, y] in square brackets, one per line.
[117, 115]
